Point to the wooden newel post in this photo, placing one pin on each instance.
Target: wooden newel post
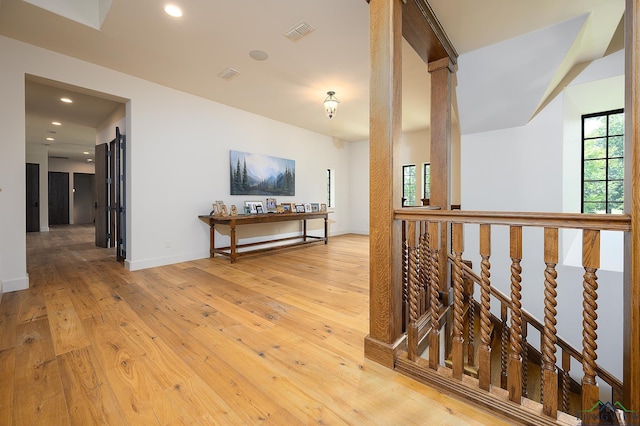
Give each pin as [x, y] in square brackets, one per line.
[385, 186]
[457, 345]
[591, 263]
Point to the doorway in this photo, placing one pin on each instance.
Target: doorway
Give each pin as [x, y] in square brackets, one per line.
[84, 198]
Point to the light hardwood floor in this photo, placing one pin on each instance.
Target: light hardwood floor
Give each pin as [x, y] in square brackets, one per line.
[274, 339]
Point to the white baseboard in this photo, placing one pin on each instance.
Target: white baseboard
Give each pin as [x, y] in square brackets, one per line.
[137, 265]
[44, 229]
[15, 284]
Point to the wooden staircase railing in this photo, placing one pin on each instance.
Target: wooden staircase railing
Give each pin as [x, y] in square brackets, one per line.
[433, 323]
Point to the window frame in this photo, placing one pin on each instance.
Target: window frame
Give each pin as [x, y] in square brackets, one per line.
[405, 199]
[607, 158]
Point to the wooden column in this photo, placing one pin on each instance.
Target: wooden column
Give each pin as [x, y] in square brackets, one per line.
[385, 131]
[441, 72]
[631, 335]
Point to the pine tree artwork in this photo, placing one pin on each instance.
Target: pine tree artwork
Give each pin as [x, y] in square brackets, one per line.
[255, 174]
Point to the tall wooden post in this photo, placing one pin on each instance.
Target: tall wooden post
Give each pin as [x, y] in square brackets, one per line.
[631, 348]
[385, 131]
[441, 72]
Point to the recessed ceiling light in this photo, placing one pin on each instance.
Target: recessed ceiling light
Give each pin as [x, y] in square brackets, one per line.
[50, 139]
[85, 152]
[89, 160]
[56, 123]
[173, 10]
[66, 100]
[258, 55]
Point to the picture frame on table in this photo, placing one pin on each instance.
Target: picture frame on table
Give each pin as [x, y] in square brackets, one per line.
[259, 209]
[287, 208]
[323, 207]
[252, 206]
[299, 208]
[307, 208]
[215, 211]
[315, 207]
[272, 205]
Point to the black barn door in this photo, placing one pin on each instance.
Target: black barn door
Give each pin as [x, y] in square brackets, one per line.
[102, 196]
[58, 198]
[33, 197]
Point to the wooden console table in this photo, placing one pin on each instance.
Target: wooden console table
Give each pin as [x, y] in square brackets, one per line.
[232, 251]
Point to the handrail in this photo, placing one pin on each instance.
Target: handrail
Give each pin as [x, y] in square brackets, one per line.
[609, 222]
[609, 378]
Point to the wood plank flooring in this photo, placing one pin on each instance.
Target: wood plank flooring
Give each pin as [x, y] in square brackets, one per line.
[274, 339]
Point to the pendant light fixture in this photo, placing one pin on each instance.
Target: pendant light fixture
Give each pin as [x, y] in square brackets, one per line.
[331, 104]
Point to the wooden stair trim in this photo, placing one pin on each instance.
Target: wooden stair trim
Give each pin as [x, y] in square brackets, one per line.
[528, 413]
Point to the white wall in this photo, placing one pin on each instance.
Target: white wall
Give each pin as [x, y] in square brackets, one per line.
[359, 187]
[536, 168]
[177, 159]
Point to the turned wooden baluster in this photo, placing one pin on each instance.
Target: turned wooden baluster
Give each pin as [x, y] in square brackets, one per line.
[412, 332]
[550, 376]
[434, 302]
[514, 368]
[457, 343]
[405, 276]
[504, 341]
[425, 268]
[484, 352]
[591, 263]
[471, 322]
[525, 360]
[566, 367]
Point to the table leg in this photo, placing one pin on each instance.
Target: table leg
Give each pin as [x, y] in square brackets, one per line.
[304, 229]
[232, 227]
[326, 239]
[212, 239]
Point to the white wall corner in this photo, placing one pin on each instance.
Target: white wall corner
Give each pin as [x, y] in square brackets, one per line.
[15, 284]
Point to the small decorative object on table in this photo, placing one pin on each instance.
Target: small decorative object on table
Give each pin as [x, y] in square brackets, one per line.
[299, 208]
[323, 207]
[252, 206]
[307, 208]
[280, 209]
[223, 211]
[215, 211]
[233, 210]
[272, 205]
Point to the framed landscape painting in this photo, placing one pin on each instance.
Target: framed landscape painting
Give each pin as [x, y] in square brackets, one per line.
[255, 174]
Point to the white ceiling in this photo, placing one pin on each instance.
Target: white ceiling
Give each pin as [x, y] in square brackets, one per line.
[532, 47]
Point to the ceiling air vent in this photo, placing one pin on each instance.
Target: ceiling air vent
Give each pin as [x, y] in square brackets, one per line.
[298, 31]
[228, 74]
[57, 157]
